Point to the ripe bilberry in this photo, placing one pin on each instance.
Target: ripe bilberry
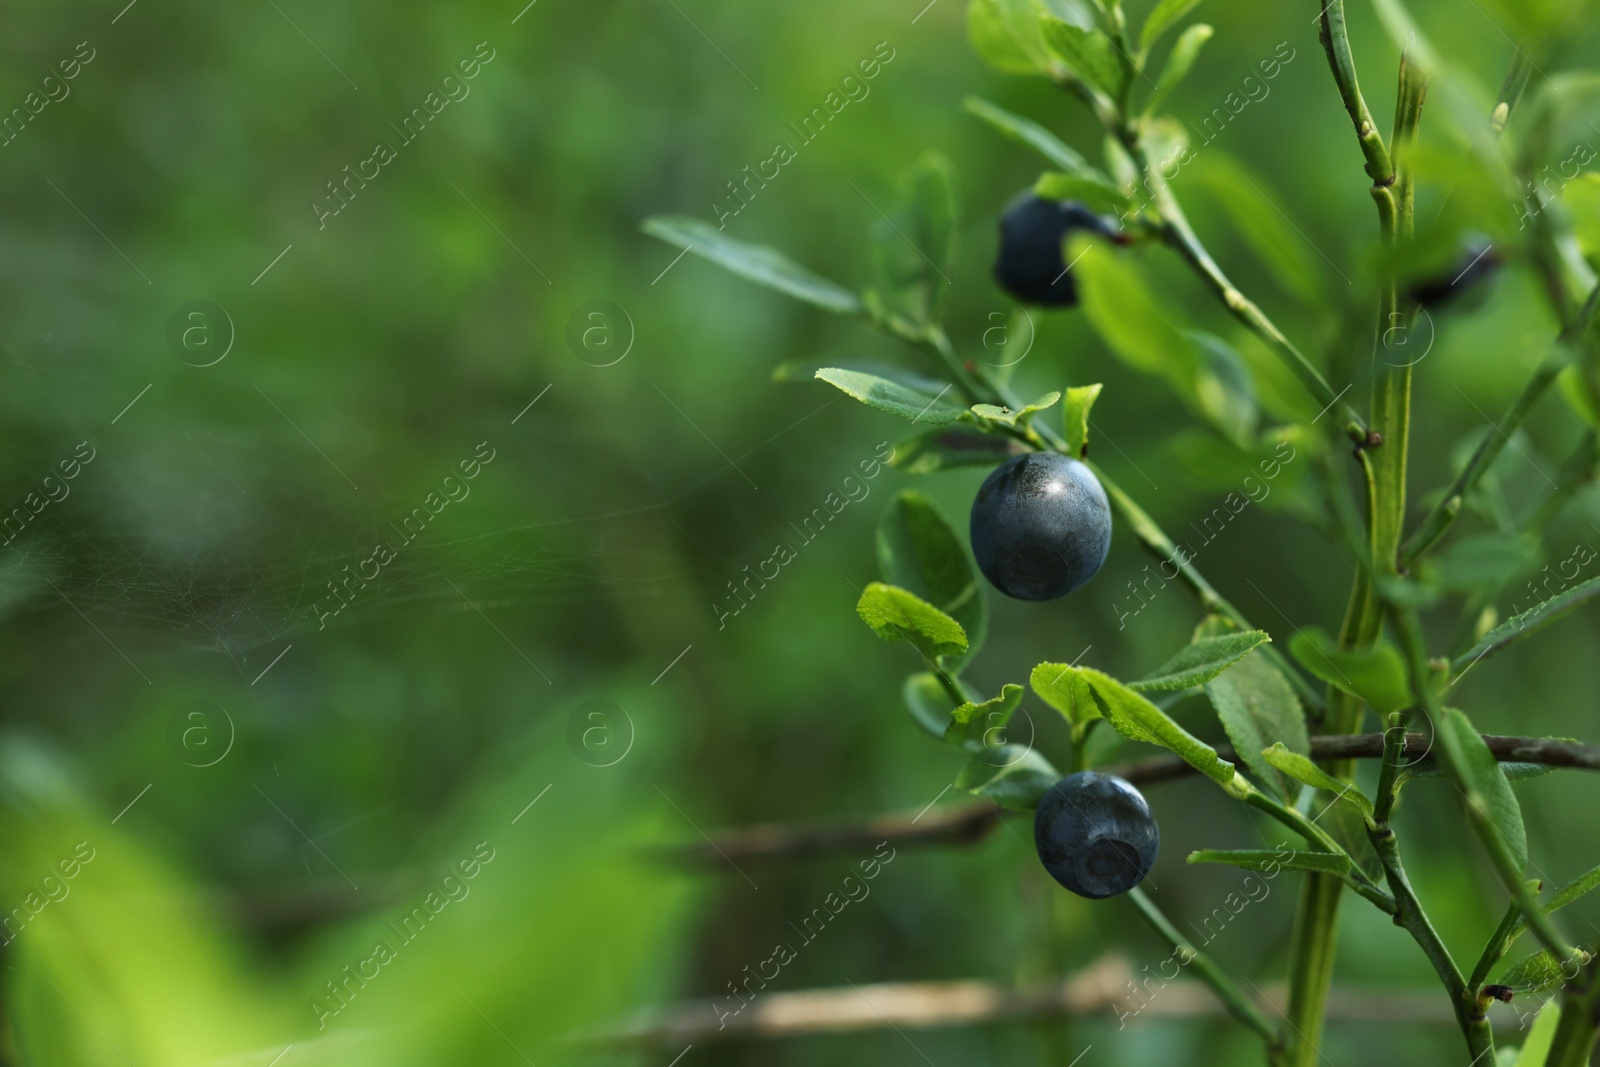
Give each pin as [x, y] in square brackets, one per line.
[1041, 526]
[1478, 262]
[1030, 265]
[1095, 834]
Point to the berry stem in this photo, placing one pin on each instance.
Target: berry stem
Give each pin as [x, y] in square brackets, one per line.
[1233, 998]
[1177, 232]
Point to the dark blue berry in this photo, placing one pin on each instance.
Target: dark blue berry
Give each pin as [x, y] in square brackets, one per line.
[1478, 262]
[1095, 834]
[1041, 526]
[1030, 265]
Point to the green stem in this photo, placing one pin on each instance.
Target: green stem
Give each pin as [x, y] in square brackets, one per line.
[1315, 941]
[1315, 835]
[1313, 945]
[1533, 620]
[1394, 744]
[1511, 89]
[1576, 472]
[1334, 41]
[1495, 948]
[1233, 998]
[1509, 866]
[1412, 917]
[1444, 513]
[1157, 541]
[1173, 225]
[1580, 1021]
[1182, 238]
[977, 390]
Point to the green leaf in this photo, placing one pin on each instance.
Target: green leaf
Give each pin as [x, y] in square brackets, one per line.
[1251, 207]
[805, 370]
[1539, 972]
[949, 448]
[1575, 389]
[918, 405]
[1514, 770]
[1484, 562]
[1201, 661]
[1582, 197]
[1536, 1049]
[1006, 417]
[914, 247]
[1080, 401]
[1574, 889]
[1224, 388]
[1087, 54]
[757, 263]
[1299, 767]
[919, 551]
[896, 615]
[1267, 860]
[984, 724]
[1258, 707]
[1064, 689]
[1137, 719]
[1096, 192]
[1013, 776]
[1487, 788]
[1131, 321]
[1405, 33]
[927, 702]
[1179, 63]
[1568, 893]
[1375, 674]
[1166, 143]
[1005, 33]
[1036, 137]
[1533, 619]
[1166, 14]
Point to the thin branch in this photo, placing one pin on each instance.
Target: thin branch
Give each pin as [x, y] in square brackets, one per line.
[1580, 1020]
[1524, 625]
[1445, 511]
[1100, 990]
[1162, 546]
[1408, 629]
[1233, 998]
[1497, 946]
[956, 824]
[1182, 238]
[1415, 921]
[971, 822]
[1335, 42]
[1511, 90]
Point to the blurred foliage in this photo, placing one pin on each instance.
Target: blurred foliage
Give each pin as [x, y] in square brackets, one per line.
[599, 554]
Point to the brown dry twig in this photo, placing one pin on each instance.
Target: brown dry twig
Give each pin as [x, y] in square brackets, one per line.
[970, 823]
[1099, 989]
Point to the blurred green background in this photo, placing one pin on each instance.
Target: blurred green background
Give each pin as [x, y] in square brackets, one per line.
[268, 788]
